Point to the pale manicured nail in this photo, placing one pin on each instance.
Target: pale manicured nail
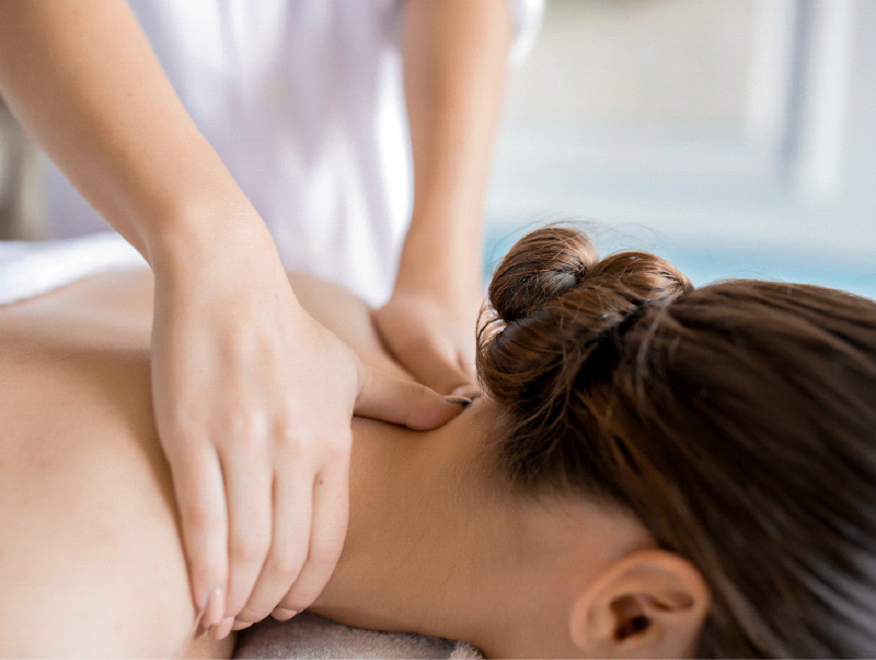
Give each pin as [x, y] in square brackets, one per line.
[283, 614]
[215, 609]
[455, 398]
[202, 610]
[469, 391]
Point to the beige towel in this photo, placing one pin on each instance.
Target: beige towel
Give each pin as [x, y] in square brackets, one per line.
[311, 636]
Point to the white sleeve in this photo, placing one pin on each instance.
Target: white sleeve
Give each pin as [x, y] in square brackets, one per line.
[525, 23]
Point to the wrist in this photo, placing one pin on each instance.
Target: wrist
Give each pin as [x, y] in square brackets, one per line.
[441, 257]
[207, 232]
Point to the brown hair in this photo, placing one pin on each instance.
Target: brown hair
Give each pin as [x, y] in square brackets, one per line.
[736, 421]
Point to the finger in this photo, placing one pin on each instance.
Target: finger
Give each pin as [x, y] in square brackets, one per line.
[466, 362]
[467, 390]
[436, 367]
[221, 631]
[250, 512]
[200, 492]
[467, 366]
[392, 399]
[293, 500]
[331, 505]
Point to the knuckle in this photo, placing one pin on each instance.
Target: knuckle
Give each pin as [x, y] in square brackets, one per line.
[284, 567]
[290, 436]
[207, 576]
[303, 597]
[291, 451]
[422, 395]
[252, 613]
[337, 447]
[422, 398]
[247, 426]
[200, 517]
[325, 557]
[249, 549]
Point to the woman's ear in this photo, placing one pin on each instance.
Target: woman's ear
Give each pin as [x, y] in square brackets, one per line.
[652, 603]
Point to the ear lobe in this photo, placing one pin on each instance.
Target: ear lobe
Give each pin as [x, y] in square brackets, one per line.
[651, 603]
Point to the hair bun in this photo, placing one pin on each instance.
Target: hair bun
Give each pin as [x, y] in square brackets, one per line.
[549, 262]
[552, 301]
[539, 268]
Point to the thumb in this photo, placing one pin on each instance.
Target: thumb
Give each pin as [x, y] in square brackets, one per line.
[440, 370]
[392, 399]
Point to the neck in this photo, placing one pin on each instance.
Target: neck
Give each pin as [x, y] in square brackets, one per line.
[435, 546]
[423, 535]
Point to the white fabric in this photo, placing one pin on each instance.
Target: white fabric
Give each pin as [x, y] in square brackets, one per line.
[526, 21]
[303, 101]
[31, 269]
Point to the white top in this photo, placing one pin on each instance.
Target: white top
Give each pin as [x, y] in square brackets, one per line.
[303, 102]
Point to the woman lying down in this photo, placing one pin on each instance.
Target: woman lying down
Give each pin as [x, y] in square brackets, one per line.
[653, 471]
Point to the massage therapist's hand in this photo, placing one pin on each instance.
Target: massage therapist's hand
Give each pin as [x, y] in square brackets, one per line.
[433, 337]
[253, 400]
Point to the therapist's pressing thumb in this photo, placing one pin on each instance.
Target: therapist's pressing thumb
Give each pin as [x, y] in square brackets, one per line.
[398, 401]
[443, 371]
[466, 391]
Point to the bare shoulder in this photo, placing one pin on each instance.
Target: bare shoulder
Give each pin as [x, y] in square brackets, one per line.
[347, 316]
[125, 298]
[338, 309]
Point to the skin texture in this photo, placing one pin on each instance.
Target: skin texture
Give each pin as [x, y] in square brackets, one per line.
[248, 425]
[93, 561]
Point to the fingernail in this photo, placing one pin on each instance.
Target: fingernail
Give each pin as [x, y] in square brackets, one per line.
[215, 609]
[454, 398]
[469, 391]
[202, 610]
[221, 631]
[283, 614]
[240, 625]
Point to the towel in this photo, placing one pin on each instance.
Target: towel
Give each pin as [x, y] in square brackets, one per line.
[29, 269]
[308, 636]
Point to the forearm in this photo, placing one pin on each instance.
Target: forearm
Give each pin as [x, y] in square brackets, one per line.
[455, 54]
[82, 78]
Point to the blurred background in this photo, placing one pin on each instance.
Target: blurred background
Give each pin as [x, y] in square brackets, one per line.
[737, 138]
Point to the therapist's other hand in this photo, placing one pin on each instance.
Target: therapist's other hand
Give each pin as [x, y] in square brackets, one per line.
[253, 400]
[433, 339]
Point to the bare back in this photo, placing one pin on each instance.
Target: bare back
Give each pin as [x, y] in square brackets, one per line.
[89, 531]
